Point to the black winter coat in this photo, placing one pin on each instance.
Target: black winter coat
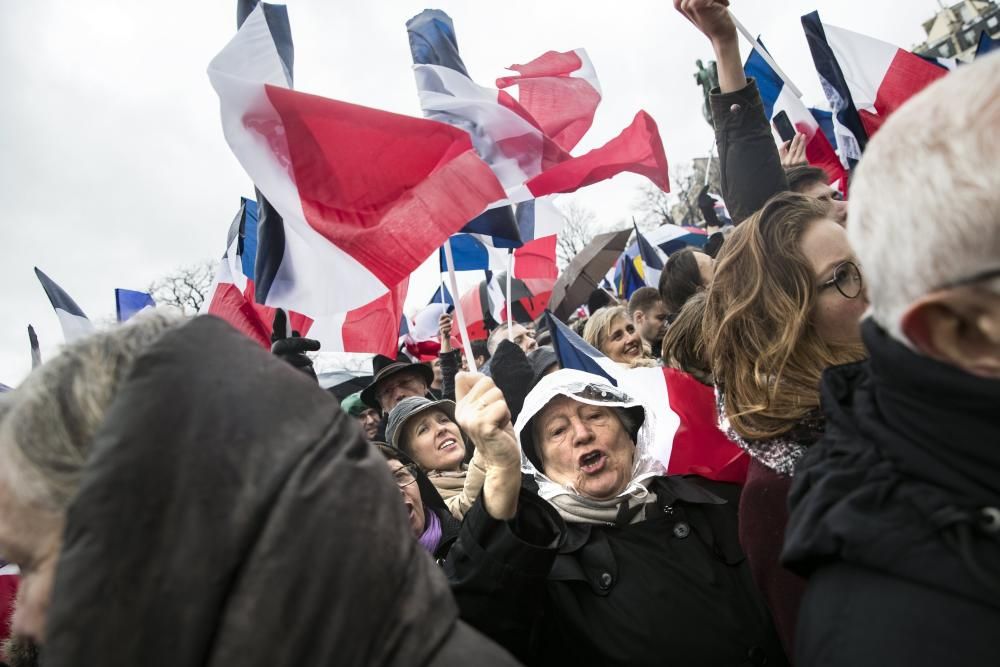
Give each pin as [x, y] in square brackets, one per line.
[748, 158]
[231, 514]
[896, 516]
[671, 590]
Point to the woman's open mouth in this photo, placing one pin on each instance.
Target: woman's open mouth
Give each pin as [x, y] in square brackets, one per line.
[448, 444]
[593, 462]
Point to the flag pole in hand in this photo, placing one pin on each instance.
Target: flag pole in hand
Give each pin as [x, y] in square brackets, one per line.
[764, 54]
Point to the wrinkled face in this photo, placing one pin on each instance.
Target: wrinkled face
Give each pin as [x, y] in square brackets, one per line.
[652, 322]
[622, 343]
[369, 420]
[396, 387]
[434, 441]
[706, 267]
[836, 318]
[31, 538]
[584, 446]
[830, 197]
[410, 490]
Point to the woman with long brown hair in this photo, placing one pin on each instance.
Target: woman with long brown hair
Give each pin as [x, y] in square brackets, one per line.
[784, 305]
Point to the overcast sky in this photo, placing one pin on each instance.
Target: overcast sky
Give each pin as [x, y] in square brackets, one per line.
[114, 170]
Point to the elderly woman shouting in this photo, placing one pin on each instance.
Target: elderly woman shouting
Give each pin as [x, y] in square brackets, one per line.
[609, 561]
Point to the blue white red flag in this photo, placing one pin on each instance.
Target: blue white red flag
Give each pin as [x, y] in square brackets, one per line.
[560, 88]
[130, 302]
[778, 97]
[873, 76]
[688, 440]
[442, 295]
[74, 322]
[365, 195]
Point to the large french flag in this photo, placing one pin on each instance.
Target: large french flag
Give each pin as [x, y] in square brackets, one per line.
[688, 441]
[560, 87]
[365, 195]
[878, 77]
[778, 97]
[74, 322]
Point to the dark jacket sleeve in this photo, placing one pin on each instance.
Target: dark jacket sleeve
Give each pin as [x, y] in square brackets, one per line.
[450, 362]
[748, 159]
[498, 569]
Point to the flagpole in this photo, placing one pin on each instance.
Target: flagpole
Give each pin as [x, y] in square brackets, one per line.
[764, 54]
[510, 307]
[708, 167]
[466, 343]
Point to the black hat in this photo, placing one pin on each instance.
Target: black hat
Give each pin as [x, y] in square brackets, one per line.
[384, 367]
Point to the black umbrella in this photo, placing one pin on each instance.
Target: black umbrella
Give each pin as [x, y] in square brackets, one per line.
[585, 271]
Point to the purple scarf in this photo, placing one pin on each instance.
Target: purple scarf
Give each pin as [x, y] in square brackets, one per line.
[432, 531]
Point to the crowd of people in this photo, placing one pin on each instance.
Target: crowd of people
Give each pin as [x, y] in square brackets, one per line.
[173, 494]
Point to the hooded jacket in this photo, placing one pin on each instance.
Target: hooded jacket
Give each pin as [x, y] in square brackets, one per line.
[895, 515]
[663, 582]
[231, 514]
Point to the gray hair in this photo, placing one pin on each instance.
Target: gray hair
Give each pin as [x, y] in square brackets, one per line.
[923, 204]
[48, 424]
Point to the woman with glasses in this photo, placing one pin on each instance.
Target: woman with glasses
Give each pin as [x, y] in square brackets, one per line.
[784, 305]
[432, 524]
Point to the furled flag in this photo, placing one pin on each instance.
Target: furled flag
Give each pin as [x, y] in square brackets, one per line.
[778, 97]
[75, 324]
[36, 353]
[652, 263]
[688, 440]
[879, 76]
[365, 195]
[129, 302]
[528, 161]
[627, 277]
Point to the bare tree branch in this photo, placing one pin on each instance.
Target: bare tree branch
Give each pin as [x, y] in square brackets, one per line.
[186, 288]
[580, 227]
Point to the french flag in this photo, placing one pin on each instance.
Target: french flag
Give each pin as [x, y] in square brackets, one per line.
[871, 76]
[421, 338]
[689, 441]
[128, 303]
[560, 87]
[652, 263]
[778, 97]
[537, 218]
[74, 322]
[364, 195]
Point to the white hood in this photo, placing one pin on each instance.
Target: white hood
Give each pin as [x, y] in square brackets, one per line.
[593, 390]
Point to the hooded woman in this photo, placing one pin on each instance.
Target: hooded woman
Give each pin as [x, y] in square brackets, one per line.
[426, 431]
[609, 561]
[199, 518]
[430, 519]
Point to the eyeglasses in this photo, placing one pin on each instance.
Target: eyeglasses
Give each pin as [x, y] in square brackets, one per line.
[404, 476]
[847, 280]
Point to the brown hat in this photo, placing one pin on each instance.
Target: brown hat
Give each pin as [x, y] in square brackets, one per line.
[384, 367]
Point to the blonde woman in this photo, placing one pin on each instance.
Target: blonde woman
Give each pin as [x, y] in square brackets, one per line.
[785, 304]
[611, 331]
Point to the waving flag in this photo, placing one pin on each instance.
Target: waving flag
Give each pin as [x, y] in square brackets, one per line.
[36, 353]
[508, 137]
[129, 302]
[879, 76]
[778, 97]
[442, 295]
[539, 217]
[689, 441]
[365, 195]
[422, 339]
[627, 278]
[651, 261]
[75, 324]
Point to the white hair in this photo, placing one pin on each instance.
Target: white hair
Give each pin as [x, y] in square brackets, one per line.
[47, 425]
[924, 203]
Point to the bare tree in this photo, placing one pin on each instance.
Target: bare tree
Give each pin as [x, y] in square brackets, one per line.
[652, 206]
[185, 288]
[580, 227]
[680, 206]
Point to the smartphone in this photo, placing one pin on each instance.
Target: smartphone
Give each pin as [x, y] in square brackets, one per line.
[784, 126]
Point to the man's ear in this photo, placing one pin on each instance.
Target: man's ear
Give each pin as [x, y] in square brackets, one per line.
[960, 327]
[637, 317]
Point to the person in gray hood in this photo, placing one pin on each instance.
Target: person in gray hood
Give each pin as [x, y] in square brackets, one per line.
[207, 504]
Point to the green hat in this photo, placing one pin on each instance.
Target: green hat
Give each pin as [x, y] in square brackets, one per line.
[353, 405]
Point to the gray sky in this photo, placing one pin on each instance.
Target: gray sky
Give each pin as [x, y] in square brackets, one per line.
[114, 170]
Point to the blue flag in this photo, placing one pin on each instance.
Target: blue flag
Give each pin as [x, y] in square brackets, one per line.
[986, 44]
[442, 295]
[129, 302]
[573, 351]
[75, 323]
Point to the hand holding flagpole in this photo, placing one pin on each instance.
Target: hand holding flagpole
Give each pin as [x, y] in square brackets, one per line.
[764, 54]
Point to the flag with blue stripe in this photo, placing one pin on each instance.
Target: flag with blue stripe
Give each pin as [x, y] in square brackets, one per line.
[442, 295]
[129, 302]
[574, 352]
[651, 261]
